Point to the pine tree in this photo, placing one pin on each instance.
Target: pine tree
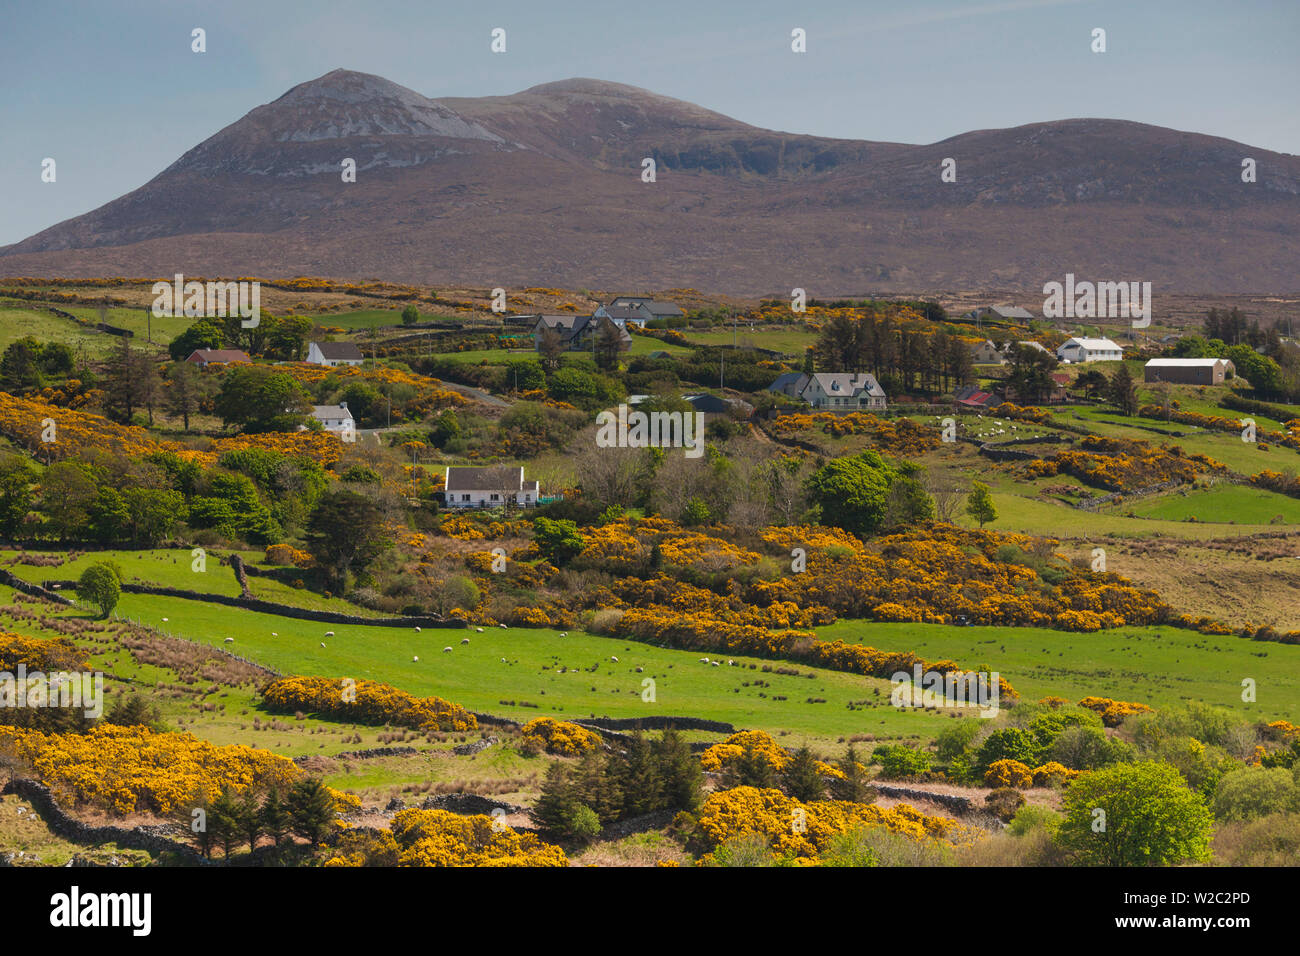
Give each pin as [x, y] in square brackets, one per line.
[639, 778]
[250, 818]
[853, 785]
[224, 821]
[750, 769]
[274, 818]
[801, 778]
[311, 810]
[1122, 390]
[680, 771]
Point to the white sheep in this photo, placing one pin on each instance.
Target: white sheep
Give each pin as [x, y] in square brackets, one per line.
[446, 650]
[274, 634]
[502, 626]
[613, 658]
[564, 634]
[230, 640]
[322, 643]
[479, 629]
[704, 660]
[415, 658]
[417, 629]
[714, 664]
[329, 633]
[465, 640]
[640, 669]
[164, 620]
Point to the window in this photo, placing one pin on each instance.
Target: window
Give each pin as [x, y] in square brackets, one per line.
[464, 497]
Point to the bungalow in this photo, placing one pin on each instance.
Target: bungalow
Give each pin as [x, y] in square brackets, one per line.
[1189, 371]
[576, 331]
[621, 315]
[989, 352]
[1089, 350]
[646, 308]
[1009, 313]
[334, 353]
[333, 418]
[205, 357]
[832, 390]
[972, 396]
[493, 486]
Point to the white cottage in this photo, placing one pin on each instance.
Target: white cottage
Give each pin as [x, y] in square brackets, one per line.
[1089, 350]
[334, 353]
[489, 487]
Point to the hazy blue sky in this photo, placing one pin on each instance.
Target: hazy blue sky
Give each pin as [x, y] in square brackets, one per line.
[111, 90]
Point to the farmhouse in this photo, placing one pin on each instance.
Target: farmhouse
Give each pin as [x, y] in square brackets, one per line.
[205, 357]
[1089, 350]
[832, 390]
[645, 308]
[333, 353]
[489, 487]
[972, 396]
[333, 418]
[621, 315]
[1010, 313]
[989, 352]
[576, 331]
[1189, 371]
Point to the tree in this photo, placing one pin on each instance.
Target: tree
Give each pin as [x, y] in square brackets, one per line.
[1251, 792]
[559, 809]
[852, 492]
[274, 818]
[410, 315]
[524, 375]
[979, 504]
[203, 334]
[188, 387]
[122, 385]
[259, 399]
[679, 770]
[311, 810]
[287, 339]
[16, 493]
[345, 533]
[609, 343]
[1030, 374]
[1092, 382]
[1122, 390]
[250, 818]
[550, 347]
[224, 821]
[801, 779]
[20, 366]
[100, 585]
[1148, 818]
[852, 783]
[558, 540]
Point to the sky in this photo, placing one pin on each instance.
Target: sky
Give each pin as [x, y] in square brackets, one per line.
[112, 91]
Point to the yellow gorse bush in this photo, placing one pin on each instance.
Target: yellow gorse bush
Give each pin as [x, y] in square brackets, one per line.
[365, 702]
[133, 769]
[559, 737]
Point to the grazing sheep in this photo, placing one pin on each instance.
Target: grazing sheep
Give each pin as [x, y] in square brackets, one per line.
[329, 633]
[502, 626]
[479, 629]
[274, 634]
[230, 640]
[704, 660]
[564, 634]
[446, 650]
[417, 629]
[415, 658]
[164, 620]
[503, 660]
[322, 643]
[731, 663]
[465, 640]
[613, 658]
[714, 664]
[640, 669]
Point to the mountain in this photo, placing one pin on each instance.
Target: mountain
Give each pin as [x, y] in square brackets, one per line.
[544, 187]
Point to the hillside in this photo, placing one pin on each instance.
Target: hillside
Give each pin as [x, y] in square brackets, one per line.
[543, 188]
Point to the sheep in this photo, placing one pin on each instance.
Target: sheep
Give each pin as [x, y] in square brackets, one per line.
[640, 669]
[164, 620]
[564, 634]
[446, 650]
[502, 626]
[230, 640]
[503, 660]
[613, 658]
[415, 658]
[274, 634]
[714, 664]
[322, 643]
[704, 660]
[479, 629]
[417, 629]
[465, 641]
[731, 663]
[329, 633]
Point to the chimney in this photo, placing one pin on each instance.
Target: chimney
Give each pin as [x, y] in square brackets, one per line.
[343, 404]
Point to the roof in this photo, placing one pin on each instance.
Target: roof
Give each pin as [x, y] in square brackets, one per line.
[487, 478]
[562, 321]
[789, 378]
[219, 355]
[971, 395]
[847, 383]
[622, 312]
[1184, 362]
[1035, 345]
[330, 411]
[1093, 345]
[1010, 312]
[339, 351]
[653, 306]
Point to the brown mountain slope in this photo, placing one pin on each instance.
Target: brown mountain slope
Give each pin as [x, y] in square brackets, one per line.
[543, 188]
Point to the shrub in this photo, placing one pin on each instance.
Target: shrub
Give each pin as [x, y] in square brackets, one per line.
[559, 737]
[1008, 773]
[1004, 802]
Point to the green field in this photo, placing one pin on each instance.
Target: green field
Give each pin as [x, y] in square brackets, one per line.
[1235, 504]
[17, 322]
[1158, 666]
